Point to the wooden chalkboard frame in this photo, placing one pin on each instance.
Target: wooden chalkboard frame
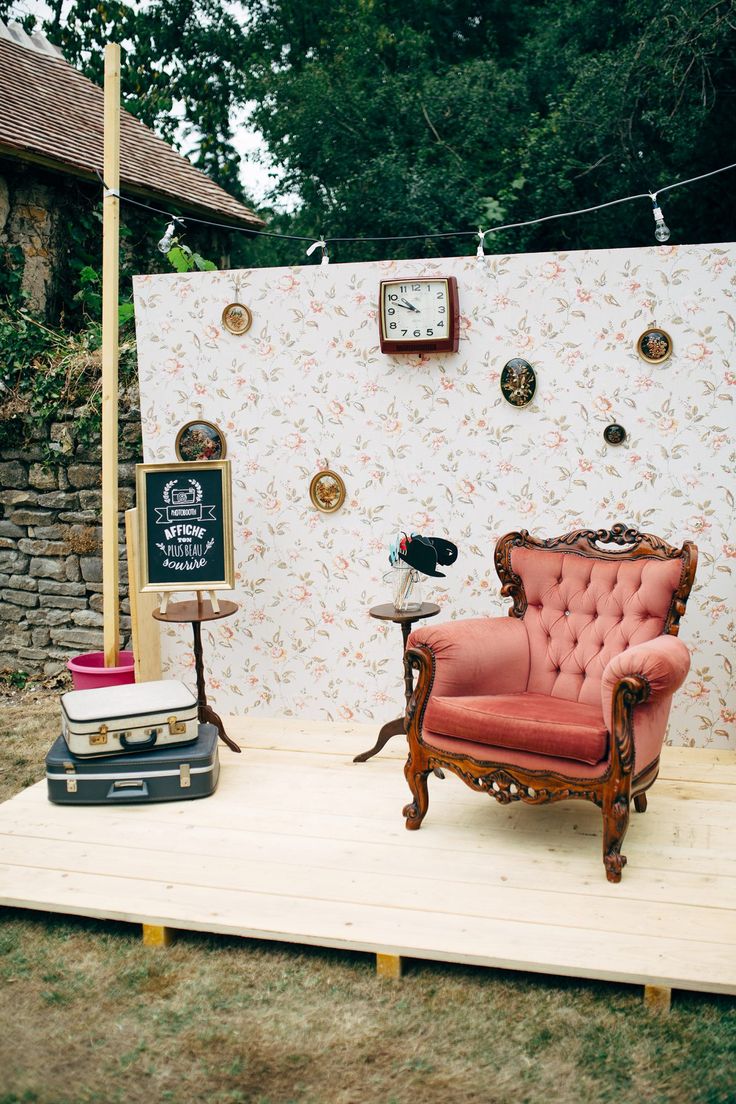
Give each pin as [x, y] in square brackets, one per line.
[188, 470]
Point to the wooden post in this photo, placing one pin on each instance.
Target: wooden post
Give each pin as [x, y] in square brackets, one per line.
[389, 966]
[145, 631]
[110, 279]
[156, 936]
[657, 998]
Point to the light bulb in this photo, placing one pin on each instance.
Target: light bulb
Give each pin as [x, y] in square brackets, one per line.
[480, 254]
[168, 238]
[661, 230]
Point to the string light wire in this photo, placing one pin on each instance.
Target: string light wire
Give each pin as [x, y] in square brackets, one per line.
[186, 219]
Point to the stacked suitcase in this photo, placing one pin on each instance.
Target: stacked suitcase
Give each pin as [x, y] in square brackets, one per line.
[136, 743]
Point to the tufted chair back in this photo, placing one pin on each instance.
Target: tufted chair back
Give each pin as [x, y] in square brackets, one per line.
[582, 610]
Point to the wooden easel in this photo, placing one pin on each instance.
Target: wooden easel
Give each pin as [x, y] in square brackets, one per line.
[163, 599]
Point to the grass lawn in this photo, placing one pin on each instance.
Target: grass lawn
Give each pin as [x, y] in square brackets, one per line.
[87, 1014]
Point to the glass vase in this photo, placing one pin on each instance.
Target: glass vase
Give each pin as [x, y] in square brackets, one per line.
[406, 588]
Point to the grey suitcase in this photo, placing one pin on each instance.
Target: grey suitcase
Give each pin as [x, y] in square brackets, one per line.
[166, 774]
[129, 718]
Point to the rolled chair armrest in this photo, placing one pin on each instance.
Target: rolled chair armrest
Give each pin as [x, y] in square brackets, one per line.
[663, 663]
[482, 655]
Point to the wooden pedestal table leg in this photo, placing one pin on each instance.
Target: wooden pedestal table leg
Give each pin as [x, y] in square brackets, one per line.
[392, 728]
[206, 714]
[154, 935]
[389, 966]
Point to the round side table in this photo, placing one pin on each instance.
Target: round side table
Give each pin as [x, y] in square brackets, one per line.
[405, 618]
[195, 613]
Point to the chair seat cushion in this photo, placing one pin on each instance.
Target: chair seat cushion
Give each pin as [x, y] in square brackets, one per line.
[536, 723]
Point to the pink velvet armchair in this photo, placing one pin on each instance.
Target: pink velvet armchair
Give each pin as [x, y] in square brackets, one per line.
[569, 695]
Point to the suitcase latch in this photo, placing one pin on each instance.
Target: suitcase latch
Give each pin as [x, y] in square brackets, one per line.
[100, 737]
[176, 728]
[185, 777]
[71, 784]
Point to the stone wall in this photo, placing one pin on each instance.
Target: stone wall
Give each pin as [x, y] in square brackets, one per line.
[51, 545]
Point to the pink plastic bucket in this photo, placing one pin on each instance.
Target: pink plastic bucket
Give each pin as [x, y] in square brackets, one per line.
[89, 671]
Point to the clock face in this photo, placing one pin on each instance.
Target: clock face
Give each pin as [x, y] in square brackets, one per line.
[419, 314]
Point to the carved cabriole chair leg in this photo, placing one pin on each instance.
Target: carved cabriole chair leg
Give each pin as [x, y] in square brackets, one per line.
[640, 803]
[416, 810]
[615, 822]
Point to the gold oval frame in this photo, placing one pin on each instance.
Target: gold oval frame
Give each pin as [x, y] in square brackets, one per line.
[640, 345]
[237, 310]
[210, 425]
[319, 503]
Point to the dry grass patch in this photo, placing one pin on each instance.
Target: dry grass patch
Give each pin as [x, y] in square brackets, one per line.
[91, 1016]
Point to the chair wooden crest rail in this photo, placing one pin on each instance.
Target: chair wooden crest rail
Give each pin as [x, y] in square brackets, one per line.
[570, 695]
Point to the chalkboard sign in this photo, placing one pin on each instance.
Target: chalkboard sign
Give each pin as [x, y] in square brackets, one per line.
[186, 527]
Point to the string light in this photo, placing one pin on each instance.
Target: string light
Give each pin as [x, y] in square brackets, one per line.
[170, 235]
[662, 232]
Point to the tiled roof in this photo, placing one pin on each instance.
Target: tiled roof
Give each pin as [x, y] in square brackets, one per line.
[50, 113]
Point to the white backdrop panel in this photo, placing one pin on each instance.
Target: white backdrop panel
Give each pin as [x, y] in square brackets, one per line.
[428, 444]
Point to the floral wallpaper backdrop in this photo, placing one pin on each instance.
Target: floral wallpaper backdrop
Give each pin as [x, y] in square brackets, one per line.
[427, 443]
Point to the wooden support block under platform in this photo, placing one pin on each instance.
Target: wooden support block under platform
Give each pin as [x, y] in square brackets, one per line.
[657, 998]
[389, 966]
[154, 935]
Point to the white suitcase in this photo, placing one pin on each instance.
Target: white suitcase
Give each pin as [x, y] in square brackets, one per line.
[134, 717]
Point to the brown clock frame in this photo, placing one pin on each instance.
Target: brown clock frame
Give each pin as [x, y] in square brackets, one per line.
[447, 344]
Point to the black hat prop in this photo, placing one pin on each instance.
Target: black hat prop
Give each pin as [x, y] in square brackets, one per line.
[423, 553]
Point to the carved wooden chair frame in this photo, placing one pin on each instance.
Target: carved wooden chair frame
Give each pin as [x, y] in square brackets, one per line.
[612, 792]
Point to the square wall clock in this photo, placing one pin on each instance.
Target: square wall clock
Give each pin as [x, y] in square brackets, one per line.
[419, 315]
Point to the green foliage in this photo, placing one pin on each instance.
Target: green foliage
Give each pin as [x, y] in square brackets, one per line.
[182, 259]
[434, 116]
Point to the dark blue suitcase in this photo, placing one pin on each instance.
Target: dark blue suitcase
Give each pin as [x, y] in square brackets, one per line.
[175, 773]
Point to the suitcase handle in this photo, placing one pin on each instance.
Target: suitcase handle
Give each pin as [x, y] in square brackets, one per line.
[138, 745]
[125, 789]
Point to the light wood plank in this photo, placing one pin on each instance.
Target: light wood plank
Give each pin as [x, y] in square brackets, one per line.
[307, 847]
[146, 631]
[110, 289]
[669, 961]
[398, 890]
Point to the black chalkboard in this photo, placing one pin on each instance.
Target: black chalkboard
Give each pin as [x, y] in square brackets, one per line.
[185, 526]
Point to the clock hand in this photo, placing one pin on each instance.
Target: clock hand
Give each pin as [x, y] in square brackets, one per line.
[409, 306]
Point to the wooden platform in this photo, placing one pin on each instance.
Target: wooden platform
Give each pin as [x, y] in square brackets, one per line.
[302, 845]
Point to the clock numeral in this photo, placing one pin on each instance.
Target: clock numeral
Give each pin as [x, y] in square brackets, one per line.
[416, 287]
[403, 289]
[392, 325]
[404, 333]
[417, 333]
[440, 325]
[430, 333]
[393, 297]
[392, 310]
[442, 310]
[440, 295]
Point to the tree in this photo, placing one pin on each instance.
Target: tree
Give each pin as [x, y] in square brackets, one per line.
[428, 117]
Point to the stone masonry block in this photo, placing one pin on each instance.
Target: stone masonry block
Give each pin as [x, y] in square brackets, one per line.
[47, 568]
[19, 598]
[22, 582]
[13, 474]
[51, 586]
[43, 478]
[42, 547]
[84, 475]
